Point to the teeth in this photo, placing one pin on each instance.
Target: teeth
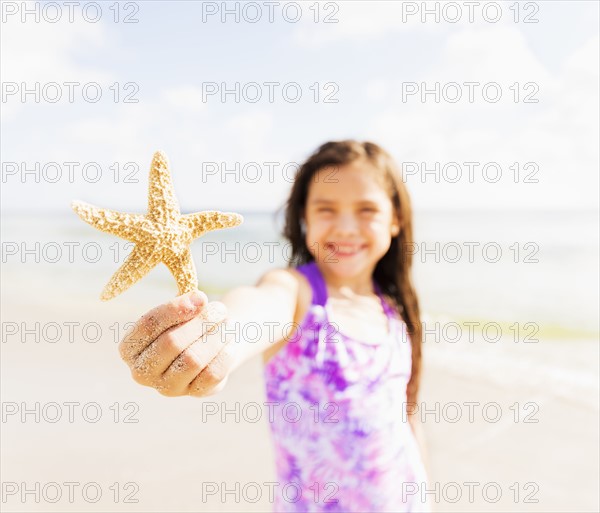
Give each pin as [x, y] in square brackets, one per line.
[345, 248]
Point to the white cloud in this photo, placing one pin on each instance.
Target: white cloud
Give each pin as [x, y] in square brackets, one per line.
[495, 52]
[133, 132]
[358, 21]
[186, 97]
[560, 133]
[366, 21]
[585, 60]
[44, 52]
[377, 89]
[251, 130]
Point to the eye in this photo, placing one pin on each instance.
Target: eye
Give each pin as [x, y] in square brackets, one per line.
[324, 209]
[368, 209]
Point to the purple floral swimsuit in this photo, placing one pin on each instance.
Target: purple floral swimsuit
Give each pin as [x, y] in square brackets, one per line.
[341, 438]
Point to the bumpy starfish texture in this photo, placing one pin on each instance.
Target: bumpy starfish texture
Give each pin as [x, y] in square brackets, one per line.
[162, 235]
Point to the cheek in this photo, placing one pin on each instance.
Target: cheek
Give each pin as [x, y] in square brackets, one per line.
[376, 225]
[380, 232]
[317, 226]
[313, 234]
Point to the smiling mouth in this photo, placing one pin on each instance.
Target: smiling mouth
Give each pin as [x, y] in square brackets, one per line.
[343, 250]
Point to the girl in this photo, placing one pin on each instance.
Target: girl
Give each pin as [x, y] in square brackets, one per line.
[352, 361]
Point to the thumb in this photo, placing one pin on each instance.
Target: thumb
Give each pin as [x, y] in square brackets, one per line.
[179, 310]
[190, 304]
[156, 321]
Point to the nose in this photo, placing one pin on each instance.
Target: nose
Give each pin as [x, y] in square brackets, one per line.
[346, 224]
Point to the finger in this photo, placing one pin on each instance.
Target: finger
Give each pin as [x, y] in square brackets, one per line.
[170, 349]
[158, 320]
[218, 388]
[210, 380]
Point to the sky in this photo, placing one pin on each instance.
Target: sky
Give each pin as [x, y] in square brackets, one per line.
[523, 134]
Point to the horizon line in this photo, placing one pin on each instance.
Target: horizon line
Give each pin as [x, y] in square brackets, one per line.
[273, 211]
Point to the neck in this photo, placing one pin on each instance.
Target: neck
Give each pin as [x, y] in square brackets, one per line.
[360, 285]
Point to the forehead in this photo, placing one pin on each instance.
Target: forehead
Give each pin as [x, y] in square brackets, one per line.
[357, 181]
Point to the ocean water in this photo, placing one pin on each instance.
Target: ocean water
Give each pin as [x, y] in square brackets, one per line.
[505, 266]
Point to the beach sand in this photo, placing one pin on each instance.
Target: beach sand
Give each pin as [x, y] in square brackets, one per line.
[172, 457]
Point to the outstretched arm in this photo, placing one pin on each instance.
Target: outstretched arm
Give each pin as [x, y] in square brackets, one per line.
[263, 313]
[190, 347]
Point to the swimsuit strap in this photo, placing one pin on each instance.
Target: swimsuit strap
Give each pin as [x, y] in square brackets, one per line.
[389, 311]
[313, 275]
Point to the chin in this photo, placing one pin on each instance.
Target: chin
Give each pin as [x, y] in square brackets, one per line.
[346, 269]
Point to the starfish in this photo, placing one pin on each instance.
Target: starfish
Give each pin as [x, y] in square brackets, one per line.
[162, 235]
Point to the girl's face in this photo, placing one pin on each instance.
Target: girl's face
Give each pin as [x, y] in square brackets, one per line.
[350, 222]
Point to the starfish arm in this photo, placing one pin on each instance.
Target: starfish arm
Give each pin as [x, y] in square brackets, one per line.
[202, 222]
[183, 269]
[162, 203]
[139, 263]
[121, 224]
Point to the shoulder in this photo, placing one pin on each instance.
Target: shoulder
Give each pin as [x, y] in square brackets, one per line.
[391, 302]
[294, 284]
[282, 278]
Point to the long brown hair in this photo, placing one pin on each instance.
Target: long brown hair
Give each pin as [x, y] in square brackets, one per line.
[393, 271]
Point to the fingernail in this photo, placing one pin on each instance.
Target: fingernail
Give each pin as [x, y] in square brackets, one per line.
[198, 298]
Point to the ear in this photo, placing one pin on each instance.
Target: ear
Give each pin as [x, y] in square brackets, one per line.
[396, 224]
